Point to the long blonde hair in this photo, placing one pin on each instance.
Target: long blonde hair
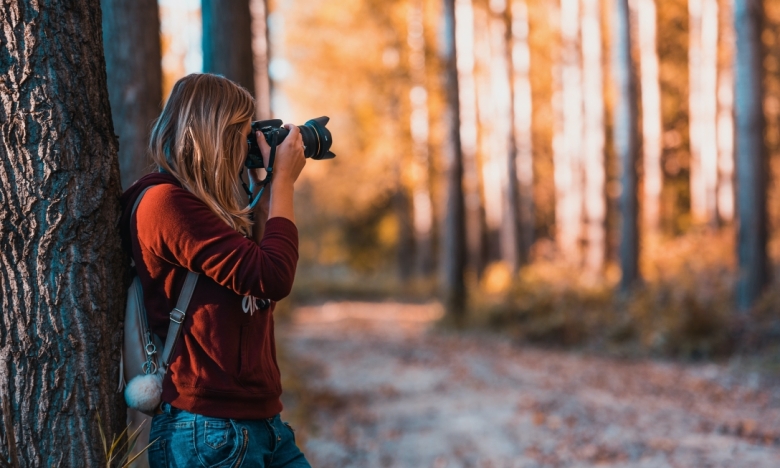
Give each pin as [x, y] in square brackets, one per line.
[199, 139]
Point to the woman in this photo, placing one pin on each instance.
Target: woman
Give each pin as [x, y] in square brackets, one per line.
[221, 392]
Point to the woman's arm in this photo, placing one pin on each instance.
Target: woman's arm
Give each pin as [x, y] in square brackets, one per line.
[288, 165]
[178, 227]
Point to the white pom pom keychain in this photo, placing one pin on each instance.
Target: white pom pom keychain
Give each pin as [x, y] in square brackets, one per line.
[143, 392]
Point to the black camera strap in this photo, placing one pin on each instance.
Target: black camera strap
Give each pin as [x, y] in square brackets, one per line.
[269, 171]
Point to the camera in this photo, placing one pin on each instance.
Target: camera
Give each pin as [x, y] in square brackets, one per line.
[316, 139]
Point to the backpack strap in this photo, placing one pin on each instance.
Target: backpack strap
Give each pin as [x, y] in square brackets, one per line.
[179, 313]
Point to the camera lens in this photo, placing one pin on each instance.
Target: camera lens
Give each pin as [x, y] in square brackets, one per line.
[317, 139]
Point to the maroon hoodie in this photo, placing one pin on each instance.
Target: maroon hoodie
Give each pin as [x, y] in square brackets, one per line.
[225, 361]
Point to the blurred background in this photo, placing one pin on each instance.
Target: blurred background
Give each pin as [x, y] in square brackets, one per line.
[593, 176]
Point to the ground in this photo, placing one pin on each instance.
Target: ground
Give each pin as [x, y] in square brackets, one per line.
[388, 389]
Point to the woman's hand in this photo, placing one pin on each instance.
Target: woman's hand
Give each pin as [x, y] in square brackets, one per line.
[288, 164]
[289, 160]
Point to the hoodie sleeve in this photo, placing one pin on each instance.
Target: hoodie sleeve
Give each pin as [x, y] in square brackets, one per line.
[178, 227]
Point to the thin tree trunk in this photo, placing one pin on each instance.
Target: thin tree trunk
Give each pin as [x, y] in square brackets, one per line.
[512, 123]
[227, 40]
[262, 57]
[418, 96]
[751, 161]
[492, 98]
[626, 143]
[61, 265]
[453, 260]
[520, 167]
[651, 115]
[131, 34]
[703, 60]
[567, 157]
[503, 147]
[464, 37]
[594, 190]
[726, 115]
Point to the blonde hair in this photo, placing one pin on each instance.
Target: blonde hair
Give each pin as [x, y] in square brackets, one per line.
[199, 139]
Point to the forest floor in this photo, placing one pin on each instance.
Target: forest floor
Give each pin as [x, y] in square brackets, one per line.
[381, 386]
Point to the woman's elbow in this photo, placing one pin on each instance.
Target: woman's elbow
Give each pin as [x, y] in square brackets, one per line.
[280, 287]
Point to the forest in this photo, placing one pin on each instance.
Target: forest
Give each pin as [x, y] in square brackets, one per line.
[550, 236]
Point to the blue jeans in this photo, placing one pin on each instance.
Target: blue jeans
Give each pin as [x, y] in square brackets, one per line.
[191, 440]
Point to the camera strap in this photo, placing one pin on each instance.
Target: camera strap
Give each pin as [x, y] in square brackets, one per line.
[269, 171]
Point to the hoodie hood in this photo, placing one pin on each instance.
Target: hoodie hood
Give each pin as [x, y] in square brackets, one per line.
[131, 195]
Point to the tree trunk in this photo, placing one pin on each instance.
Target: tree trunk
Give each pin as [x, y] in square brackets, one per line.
[419, 129]
[567, 157]
[651, 115]
[61, 265]
[453, 260]
[261, 49]
[520, 166]
[492, 84]
[626, 143]
[594, 189]
[131, 34]
[703, 60]
[464, 38]
[750, 153]
[227, 41]
[726, 114]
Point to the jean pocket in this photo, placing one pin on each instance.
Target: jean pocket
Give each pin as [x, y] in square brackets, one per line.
[216, 433]
[216, 440]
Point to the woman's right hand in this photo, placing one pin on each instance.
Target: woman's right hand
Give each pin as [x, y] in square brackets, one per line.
[288, 164]
[289, 160]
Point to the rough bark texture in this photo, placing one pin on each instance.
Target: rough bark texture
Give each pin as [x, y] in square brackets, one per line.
[227, 40]
[454, 238]
[751, 161]
[131, 37]
[61, 266]
[626, 143]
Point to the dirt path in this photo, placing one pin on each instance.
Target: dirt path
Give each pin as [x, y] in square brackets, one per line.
[390, 392]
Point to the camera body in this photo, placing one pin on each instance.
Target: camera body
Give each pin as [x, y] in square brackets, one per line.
[317, 139]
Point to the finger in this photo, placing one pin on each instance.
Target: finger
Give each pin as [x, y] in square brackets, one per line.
[295, 132]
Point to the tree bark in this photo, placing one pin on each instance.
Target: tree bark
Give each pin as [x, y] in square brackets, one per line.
[453, 260]
[261, 49]
[594, 186]
[227, 41]
[651, 116]
[520, 163]
[626, 143]
[726, 114]
[703, 72]
[419, 129]
[61, 265]
[474, 211]
[567, 157]
[131, 34]
[751, 161]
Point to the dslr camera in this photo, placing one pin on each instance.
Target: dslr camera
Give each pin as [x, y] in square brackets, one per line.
[317, 140]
